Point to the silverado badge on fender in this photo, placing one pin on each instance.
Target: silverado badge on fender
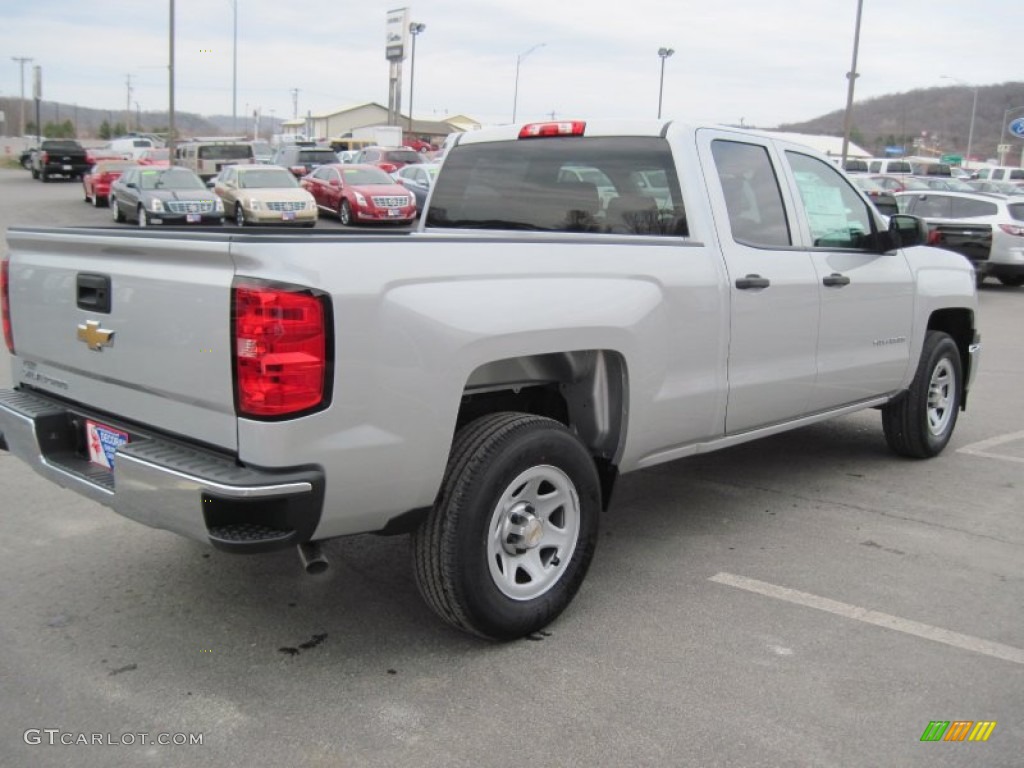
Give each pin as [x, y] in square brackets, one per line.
[94, 336]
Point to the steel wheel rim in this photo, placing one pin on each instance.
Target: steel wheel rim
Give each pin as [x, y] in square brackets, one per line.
[142, 218]
[941, 396]
[239, 216]
[112, 202]
[533, 532]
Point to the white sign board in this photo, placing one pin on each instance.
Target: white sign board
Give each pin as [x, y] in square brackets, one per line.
[396, 32]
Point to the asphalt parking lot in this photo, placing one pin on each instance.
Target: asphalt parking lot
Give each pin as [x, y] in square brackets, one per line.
[805, 600]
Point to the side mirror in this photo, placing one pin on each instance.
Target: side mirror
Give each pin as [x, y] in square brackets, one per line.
[906, 231]
[132, 185]
[211, 183]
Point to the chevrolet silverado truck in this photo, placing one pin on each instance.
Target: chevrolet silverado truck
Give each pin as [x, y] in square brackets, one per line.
[482, 381]
[59, 157]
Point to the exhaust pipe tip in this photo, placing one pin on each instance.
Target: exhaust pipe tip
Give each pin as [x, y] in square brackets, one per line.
[312, 557]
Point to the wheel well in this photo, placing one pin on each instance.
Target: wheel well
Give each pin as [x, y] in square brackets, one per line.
[959, 324]
[584, 390]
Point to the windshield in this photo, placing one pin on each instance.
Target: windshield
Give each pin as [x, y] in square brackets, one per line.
[225, 152]
[177, 178]
[261, 148]
[360, 176]
[267, 178]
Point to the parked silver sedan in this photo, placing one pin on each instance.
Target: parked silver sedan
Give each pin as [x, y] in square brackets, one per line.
[150, 195]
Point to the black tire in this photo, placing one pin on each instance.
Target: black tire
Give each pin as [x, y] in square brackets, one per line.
[1012, 281]
[239, 215]
[465, 583]
[345, 213]
[118, 213]
[920, 422]
[45, 177]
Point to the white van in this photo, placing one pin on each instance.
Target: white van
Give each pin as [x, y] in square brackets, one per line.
[131, 148]
[888, 166]
[1002, 173]
[207, 157]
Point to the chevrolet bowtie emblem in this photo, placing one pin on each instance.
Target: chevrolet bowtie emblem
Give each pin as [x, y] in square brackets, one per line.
[94, 336]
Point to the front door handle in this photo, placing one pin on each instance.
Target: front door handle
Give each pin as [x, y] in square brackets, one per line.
[752, 281]
[835, 279]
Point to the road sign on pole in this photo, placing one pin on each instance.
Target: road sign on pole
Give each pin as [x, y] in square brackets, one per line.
[1017, 127]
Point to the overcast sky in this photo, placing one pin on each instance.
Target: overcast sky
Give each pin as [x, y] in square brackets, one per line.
[765, 61]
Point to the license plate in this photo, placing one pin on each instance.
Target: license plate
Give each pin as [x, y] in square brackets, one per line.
[192, 218]
[103, 441]
[67, 167]
[393, 212]
[288, 216]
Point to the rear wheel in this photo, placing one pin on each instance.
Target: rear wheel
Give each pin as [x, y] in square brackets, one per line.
[35, 174]
[345, 213]
[1013, 281]
[95, 199]
[920, 422]
[512, 533]
[45, 177]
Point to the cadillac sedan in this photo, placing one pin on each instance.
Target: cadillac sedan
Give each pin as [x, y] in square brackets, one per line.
[150, 195]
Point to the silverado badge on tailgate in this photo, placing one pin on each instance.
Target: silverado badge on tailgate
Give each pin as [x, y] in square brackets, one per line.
[94, 336]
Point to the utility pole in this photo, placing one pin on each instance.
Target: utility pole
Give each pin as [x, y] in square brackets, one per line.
[234, 76]
[128, 103]
[22, 60]
[295, 103]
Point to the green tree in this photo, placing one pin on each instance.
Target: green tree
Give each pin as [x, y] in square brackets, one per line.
[119, 129]
[104, 132]
[69, 129]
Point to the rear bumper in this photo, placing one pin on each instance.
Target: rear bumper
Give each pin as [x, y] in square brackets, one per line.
[191, 491]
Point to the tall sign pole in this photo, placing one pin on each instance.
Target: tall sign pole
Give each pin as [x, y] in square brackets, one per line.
[37, 94]
[22, 61]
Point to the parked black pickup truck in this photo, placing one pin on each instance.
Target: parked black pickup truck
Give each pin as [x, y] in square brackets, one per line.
[59, 157]
[972, 240]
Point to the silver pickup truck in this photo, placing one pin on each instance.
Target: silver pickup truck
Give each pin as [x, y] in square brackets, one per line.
[581, 299]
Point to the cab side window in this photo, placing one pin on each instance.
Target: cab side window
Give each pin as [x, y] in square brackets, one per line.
[757, 216]
[837, 216]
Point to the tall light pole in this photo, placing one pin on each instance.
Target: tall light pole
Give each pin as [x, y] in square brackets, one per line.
[170, 89]
[664, 53]
[1002, 136]
[415, 30]
[851, 76]
[234, 74]
[22, 60]
[974, 109]
[519, 60]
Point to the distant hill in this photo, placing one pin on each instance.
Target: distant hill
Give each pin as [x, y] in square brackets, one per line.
[88, 120]
[939, 118]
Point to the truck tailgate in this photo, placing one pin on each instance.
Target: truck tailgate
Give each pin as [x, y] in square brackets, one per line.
[158, 353]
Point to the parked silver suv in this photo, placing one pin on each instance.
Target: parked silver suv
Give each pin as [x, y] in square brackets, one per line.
[1005, 215]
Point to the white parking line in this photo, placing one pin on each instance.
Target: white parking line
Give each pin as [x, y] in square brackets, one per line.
[927, 631]
[981, 448]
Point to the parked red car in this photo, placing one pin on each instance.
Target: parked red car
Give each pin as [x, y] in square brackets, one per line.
[157, 158]
[360, 193]
[96, 183]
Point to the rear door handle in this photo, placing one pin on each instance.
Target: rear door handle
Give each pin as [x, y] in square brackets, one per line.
[752, 281]
[835, 279]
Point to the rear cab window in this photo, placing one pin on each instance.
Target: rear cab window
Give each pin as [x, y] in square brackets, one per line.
[604, 185]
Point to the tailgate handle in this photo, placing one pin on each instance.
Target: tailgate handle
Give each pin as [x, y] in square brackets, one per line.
[93, 292]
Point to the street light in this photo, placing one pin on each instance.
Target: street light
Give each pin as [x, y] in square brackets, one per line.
[974, 108]
[519, 60]
[1002, 135]
[22, 60]
[415, 30]
[234, 73]
[664, 53]
[852, 77]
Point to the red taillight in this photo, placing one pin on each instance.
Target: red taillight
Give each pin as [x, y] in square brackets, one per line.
[1012, 229]
[934, 237]
[5, 302]
[387, 167]
[44, 157]
[565, 128]
[281, 350]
